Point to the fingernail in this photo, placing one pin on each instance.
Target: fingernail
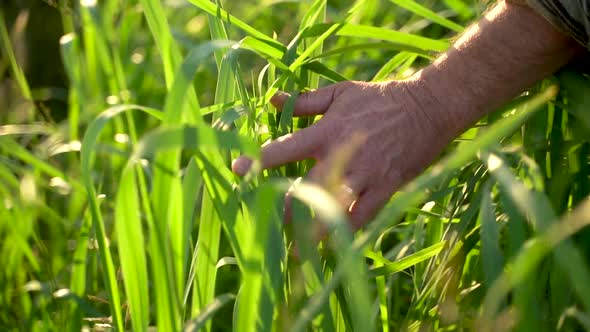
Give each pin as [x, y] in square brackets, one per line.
[279, 97]
[241, 165]
[281, 94]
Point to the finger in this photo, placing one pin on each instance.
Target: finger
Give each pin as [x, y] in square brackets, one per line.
[317, 172]
[310, 103]
[241, 165]
[346, 194]
[314, 175]
[300, 145]
[366, 207]
[346, 191]
[349, 191]
[288, 208]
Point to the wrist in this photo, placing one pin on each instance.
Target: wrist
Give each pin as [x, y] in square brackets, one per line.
[435, 105]
[493, 62]
[420, 101]
[447, 101]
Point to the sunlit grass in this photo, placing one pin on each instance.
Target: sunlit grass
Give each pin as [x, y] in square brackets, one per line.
[126, 215]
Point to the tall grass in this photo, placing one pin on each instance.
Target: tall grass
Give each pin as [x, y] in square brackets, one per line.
[127, 216]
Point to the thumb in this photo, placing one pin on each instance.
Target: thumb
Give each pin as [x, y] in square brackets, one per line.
[310, 103]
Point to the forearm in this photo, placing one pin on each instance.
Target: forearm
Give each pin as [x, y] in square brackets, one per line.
[496, 59]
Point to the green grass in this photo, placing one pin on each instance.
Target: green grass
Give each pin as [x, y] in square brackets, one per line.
[125, 215]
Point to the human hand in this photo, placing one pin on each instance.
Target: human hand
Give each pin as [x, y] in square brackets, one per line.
[406, 124]
[399, 140]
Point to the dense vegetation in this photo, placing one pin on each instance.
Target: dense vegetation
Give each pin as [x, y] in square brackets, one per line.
[118, 209]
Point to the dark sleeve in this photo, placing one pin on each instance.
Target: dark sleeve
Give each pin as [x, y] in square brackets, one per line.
[570, 16]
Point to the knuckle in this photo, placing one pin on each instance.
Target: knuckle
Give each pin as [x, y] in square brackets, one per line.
[342, 87]
[292, 143]
[346, 84]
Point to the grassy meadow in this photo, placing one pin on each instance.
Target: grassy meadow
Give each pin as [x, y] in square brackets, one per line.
[119, 211]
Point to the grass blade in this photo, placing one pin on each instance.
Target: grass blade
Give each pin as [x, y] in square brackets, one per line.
[490, 238]
[404, 263]
[420, 10]
[198, 323]
[131, 241]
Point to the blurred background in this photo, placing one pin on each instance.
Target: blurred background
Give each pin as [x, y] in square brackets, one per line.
[82, 57]
[36, 26]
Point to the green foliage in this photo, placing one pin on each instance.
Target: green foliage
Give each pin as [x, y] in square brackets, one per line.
[126, 215]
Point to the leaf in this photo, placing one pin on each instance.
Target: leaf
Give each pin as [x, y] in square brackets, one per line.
[576, 87]
[130, 242]
[256, 297]
[420, 10]
[536, 205]
[491, 252]
[371, 32]
[17, 71]
[207, 313]
[404, 263]
[191, 138]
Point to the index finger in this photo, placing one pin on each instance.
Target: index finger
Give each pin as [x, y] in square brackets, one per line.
[300, 145]
[315, 102]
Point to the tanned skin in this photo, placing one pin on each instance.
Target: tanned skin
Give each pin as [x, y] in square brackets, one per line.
[406, 124]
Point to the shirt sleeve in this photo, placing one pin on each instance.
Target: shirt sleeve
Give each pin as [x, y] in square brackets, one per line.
[570, 16]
